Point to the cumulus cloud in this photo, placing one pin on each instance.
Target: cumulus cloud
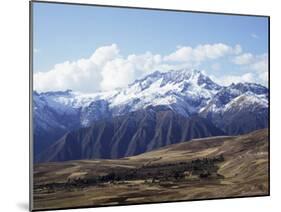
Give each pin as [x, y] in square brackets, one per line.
[202, 52]
[261, 67]
[121, 71]
[260, 64]
[105, 69]
[256, 63]
[243, 59]
[82, 75]
[108, 69]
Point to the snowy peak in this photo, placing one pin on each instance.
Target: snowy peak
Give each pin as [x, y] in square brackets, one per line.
[184, 81]
[147, 80]
[247, 100]
[240, 95]
[183, 76]
[184, 91]
[238, 108]
[191, 78]
[226, 94]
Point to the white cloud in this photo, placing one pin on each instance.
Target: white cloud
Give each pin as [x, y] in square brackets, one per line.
[202, 52]
[183, 53]
[261, 68]
[255, 65]
[81, 75]
[216, 66]
[104, 54]
[107, 68]
[117, 73]
[243, 59]
[258, 64]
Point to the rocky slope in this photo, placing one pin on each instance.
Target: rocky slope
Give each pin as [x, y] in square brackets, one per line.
[128, 135]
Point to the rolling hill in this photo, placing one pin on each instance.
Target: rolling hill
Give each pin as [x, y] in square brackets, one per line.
[213, 167]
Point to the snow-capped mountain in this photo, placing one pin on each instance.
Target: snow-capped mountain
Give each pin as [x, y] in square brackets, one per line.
[223, 99]
[185, 92]
[238, 108]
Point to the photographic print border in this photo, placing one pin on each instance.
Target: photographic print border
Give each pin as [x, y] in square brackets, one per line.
[31, 100]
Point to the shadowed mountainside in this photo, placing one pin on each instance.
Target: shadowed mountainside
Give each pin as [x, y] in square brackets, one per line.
[128, 135]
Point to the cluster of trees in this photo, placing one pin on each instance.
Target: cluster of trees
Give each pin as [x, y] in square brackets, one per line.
[152, 173]
[202, 168]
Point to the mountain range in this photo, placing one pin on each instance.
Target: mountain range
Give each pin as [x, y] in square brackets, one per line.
[161, 108]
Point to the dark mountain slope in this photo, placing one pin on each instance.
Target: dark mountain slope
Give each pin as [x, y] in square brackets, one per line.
[128, 135]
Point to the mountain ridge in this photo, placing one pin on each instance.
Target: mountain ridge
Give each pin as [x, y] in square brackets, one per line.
[185, 92]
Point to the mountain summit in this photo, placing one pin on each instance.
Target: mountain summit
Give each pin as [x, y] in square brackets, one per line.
[183, 91]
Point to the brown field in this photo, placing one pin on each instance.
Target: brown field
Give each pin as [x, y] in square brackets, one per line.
[213, 167]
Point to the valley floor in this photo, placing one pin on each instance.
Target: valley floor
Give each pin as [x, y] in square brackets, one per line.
[214, 167]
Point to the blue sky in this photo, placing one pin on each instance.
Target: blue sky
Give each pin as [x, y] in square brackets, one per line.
[71, 32]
